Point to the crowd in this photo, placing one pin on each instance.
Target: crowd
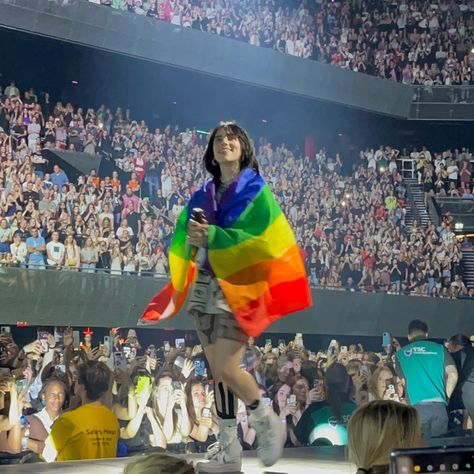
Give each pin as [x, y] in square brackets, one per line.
[130, 399]
[416, 42]
[351, 229]
[445, 174]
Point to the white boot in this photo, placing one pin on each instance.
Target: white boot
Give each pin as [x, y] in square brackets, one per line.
[223, 456]
[270, 431]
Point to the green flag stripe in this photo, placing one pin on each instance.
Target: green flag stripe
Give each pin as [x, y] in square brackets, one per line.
[178, 243]
[256, 217]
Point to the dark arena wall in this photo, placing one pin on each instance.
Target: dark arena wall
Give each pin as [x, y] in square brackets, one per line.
[100, 300]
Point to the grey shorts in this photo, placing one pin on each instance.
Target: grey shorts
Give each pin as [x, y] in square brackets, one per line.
[211, 312]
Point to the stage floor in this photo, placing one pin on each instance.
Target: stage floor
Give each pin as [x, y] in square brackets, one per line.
[294, 461]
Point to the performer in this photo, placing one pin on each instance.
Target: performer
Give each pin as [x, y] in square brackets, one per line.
[246, 274]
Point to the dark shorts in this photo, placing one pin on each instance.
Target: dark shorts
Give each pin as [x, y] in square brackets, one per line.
[211, 312]
[211, 327]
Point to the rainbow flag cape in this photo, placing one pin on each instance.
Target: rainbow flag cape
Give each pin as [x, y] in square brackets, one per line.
[251, 250]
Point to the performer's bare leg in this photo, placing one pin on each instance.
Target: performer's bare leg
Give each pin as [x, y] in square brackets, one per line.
[230, 381]
[225, 358]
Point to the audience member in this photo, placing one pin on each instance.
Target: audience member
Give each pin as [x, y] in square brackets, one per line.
[90, 431]
[376, 429]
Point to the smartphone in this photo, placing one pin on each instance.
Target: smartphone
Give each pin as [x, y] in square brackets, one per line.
[120, 362]
[43, 338]
[109, 343]
[317, 383]
[206, 413]
[179, 343]
[60, 368]
[292, 400]
[386, 339]
[199, 367]
[152, 352]
[331, 350]
[177, 385]
[459, 459]
[268, 341]
[390, 385]
[76, 338]
[299, 340]
[6, 331]
[276, 351]
[179, 362]
[266, 402]
[143, 383]
[127, 351]
[281, 342]
[58, 337]
[210, 384]
[343, 349]
[166, 346]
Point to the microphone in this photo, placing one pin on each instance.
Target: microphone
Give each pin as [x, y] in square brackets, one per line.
[199, 253]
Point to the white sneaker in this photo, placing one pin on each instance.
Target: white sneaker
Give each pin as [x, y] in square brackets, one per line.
[223, 456]
[270, 432]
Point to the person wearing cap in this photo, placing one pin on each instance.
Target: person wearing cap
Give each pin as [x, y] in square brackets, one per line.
[429, 374]
[462, 352]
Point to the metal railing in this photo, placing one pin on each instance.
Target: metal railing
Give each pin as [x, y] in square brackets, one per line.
[444, 94]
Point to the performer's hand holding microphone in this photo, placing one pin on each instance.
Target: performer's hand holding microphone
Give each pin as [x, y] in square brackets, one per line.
[197, 235]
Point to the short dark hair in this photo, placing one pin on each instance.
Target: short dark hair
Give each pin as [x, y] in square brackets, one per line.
[95, 376]
[248, 159]
[460, 340]
[417, 326]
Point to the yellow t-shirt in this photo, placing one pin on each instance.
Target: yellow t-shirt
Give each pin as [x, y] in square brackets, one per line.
[88, 432]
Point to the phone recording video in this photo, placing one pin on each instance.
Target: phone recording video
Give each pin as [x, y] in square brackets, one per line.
[199, 367]
[437, 460]
[179, 362]
[180, 343]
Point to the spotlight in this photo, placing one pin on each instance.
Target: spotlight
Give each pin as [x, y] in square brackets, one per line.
[459, 226]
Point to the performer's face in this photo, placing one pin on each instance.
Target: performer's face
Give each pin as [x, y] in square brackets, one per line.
[226, 148]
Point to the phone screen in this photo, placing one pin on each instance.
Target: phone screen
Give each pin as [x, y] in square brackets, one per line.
[179, 362]
[199, 367]
[143, 383]
[43, 338]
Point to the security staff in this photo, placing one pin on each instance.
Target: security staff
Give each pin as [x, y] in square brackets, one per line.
[429, 375]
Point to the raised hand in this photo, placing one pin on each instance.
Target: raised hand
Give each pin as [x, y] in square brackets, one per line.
[188, 368]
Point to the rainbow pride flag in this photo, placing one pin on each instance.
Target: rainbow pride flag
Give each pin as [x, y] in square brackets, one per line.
[251, 250]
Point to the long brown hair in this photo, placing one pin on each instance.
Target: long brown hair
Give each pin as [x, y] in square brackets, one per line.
[248, 158]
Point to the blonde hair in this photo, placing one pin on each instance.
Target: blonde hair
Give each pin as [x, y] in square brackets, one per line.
[158, 463]
[379, 427]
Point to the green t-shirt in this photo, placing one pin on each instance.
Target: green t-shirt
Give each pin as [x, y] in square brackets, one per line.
[422, 364]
